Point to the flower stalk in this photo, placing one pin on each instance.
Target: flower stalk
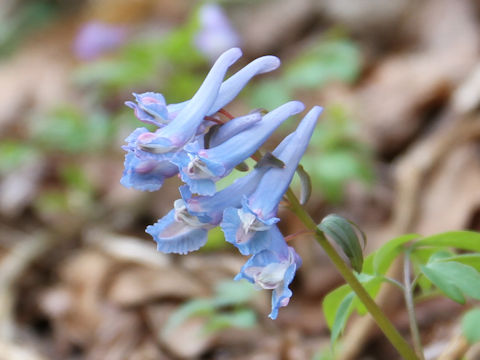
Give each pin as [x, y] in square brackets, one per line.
[378, 315]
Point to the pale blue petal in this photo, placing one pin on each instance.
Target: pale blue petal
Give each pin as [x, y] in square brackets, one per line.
[178, 132]
[234, 127]
[145, 175]
[242, 146]
[234, 84]
[174, 237]
[231, 87]
[266, 198]
[210, 208]
[247, 245]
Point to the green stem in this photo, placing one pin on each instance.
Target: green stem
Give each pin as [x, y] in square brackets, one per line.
[382, 321]
[408, 292]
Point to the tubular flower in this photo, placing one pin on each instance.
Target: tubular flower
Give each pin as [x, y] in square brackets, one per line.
[200, 168]
[246, 227]
[189, 142]
[144, 174]
[151, 108]
[273, 269]
[179, 232]
[176, 134]
[231, 87]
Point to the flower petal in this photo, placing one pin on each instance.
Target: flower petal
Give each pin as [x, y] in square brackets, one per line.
[176, 237]
[180, 131]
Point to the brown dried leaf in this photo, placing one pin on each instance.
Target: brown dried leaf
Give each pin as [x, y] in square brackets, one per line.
[139, 285]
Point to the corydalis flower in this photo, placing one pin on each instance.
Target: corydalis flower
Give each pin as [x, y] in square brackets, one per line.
[246, 227]
[144, 174]
[200, 168]
[216, 34]
[151, 108]
[273, 269]
[96, 38]
[179, 231]
[176, 134]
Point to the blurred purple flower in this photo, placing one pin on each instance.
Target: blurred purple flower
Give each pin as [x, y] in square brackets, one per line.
[95, 38]
[216, 34]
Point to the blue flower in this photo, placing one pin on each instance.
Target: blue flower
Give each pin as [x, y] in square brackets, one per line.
[209, 209]
[177, 133]
[200, 168]
[216, 34]
[233, 127]
[246, 227]
[151, 108]
[144, 174]
[231, 87]
[179, 232]
[273, 269]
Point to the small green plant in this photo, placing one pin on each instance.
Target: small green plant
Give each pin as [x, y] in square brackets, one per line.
[445, 264]
[226, 309]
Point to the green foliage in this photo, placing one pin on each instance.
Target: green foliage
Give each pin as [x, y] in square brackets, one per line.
[326, 61]
[384, 256]
[329, 59]
[346, 234]
[341, 316]
[14, 155]
[454, 279]
[227, 308]
[470, 328]
[336, 156]
[16, 26]
[70, 130]
[148, 63]
[436, 264]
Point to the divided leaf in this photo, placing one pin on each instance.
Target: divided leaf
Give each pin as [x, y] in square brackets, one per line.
[454, 279]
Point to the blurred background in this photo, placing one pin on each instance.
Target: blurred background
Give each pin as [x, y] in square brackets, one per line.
[396, 150]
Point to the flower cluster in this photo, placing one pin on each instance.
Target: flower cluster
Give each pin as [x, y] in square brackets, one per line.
[190, 142]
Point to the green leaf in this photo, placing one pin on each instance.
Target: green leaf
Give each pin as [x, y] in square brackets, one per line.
[198, 307]
[444, 284]
[454, 279]
[470, 327]
[385, 255]
[332, 301]
[472, 260]
[336, 59]
[243, 318]
[343, 312]
[466, 240]
[344, 233]
[306, 185]
[229, 293]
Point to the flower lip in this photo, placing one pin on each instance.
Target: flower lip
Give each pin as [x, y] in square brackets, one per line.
[197, 169]
[182, 215]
